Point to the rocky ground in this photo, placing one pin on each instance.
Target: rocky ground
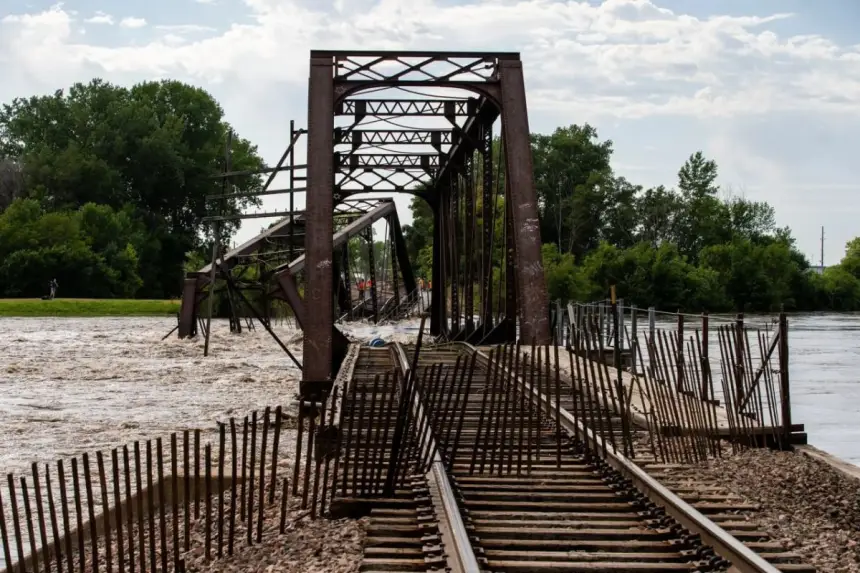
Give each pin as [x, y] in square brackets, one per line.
[806, 504]
[306, 546]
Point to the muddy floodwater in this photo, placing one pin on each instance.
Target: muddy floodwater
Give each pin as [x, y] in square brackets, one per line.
[73, 385]
[825, 380]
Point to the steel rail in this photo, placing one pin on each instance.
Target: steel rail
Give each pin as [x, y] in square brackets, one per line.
[459, 552]
[742, 558]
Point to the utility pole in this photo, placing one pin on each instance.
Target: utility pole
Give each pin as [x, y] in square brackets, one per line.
[822, 248]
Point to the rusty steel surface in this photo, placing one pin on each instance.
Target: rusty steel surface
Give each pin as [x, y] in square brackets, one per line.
[318, 359]
[533, 299]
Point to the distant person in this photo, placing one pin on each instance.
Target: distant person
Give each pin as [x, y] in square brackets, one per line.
[420, 284]
[361, 286]
[53, 284]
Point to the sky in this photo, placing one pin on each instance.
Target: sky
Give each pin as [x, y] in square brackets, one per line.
[768, 89]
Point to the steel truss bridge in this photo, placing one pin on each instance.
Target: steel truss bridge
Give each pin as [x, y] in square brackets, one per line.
[373, 127]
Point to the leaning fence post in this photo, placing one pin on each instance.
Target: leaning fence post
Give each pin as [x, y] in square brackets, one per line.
[679, 358]
[559, 325]
[652, 331]
[783, 377]
[634, 336]
[739, 359]
[600, 325]
[706, 365]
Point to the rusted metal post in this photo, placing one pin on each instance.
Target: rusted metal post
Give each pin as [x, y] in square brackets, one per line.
[706, 364]
[292, 241]
[652, 331]
[559, 325]
[320, 203]
[216, 246]
[371, 273]
[634, 338]
[739, 360]
[532, 293]
[679, 356]
[785, 389]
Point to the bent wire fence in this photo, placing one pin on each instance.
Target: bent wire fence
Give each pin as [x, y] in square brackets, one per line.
[146, 505]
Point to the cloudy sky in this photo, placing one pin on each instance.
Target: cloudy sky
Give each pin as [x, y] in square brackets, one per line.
[768, 88]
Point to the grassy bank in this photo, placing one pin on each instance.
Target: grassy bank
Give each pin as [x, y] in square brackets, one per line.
[87, 307]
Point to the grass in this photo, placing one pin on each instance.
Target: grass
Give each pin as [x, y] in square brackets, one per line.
[84, 307]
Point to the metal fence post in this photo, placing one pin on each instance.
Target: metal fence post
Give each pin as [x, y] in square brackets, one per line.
[783, 377]
[634, 336]
[559, 327]
[652, 331]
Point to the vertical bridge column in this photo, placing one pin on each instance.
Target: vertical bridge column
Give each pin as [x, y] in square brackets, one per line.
[531, 291]
[318, 240]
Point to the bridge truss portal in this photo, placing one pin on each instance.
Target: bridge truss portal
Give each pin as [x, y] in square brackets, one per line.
[480, 188]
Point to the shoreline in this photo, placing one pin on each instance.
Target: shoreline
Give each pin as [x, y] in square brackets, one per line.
[86, 308]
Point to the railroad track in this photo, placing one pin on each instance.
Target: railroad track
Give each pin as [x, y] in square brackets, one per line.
[417, 526]
[504, 493]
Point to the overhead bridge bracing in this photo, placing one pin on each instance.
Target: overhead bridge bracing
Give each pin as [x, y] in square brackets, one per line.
[455, 171]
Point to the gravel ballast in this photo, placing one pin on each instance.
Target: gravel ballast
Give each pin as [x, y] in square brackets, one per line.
[811, 507]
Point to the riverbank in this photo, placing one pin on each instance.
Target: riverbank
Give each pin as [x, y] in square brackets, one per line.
[83, 307]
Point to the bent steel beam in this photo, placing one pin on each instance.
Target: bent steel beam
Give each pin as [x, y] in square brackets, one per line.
[195, 282]
[279, 230]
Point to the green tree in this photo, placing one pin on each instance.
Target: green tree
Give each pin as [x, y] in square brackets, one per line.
[150, 151]
[565, 281]
[419, 236]
[658, 211]
[851, 261]
[704, 220]
[88, 251]
[11, 182]
[756, 277]
[840, 289]
[574, 184]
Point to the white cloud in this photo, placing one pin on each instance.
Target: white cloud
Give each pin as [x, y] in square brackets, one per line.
[185, 28]
[132, 22]
[173, 39]
[627, 58]
[623, 60]
[100, 18]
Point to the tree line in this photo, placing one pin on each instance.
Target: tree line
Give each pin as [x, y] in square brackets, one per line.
[691, 246]
[104, 187]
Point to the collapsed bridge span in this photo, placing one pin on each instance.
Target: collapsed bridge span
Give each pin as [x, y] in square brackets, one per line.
[277, 279]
